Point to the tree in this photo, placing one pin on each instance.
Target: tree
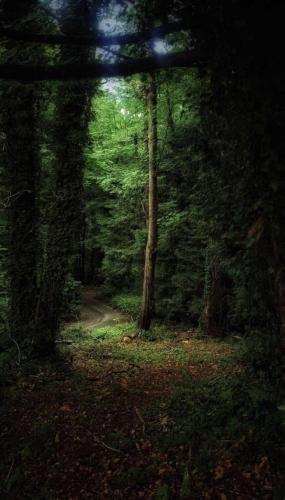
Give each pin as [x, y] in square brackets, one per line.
[151, 246]
[114, 181]
[70, 139]
[19, 157]
[243, 152]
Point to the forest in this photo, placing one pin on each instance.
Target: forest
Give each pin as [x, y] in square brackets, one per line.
[142, 251]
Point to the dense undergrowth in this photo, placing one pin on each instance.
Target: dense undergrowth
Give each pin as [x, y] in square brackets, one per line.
[129, 304]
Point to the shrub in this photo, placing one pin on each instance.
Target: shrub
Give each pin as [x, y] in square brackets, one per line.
[71, 299]
[213, 412]
[128, 304]
[263, 354]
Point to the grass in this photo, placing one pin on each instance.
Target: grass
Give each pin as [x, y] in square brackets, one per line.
[156, 347]
[114, 333]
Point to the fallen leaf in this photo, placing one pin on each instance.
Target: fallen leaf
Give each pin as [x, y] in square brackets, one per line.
[66, 408]
[219, 473]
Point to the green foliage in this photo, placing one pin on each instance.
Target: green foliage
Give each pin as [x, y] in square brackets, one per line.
[213, 412]
[155, 347]
[116, 174]
[158, 332]
[128, 304]
[71, 299]
[264, 355]
[76, 189]
[76, 334]
[112, 333]
[185, 490]
[162, 492]
[217, 145]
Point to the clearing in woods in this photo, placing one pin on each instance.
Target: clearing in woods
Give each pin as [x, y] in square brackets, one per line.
[158, 417]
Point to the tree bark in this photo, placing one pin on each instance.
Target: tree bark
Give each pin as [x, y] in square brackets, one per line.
[70, 138]
[151, 247]
[20, 169]
[19, 158]
[213, 313]
[83, 254]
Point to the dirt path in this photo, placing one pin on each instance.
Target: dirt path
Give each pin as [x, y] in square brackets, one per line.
[95, 312]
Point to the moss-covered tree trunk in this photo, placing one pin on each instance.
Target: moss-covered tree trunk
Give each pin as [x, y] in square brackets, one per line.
[151, 247]
[19, 158]
[70, 139]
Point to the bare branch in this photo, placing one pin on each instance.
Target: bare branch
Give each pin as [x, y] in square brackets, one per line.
[6, 203]
[27, 73]
[96, 40]
[118, 54]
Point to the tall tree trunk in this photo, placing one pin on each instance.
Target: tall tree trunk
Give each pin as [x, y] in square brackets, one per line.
[151, 247]
[70, 136]
[212, 317]
[83, 253]
[19, 157]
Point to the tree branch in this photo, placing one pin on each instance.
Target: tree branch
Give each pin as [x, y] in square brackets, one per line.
[26, 73]
[99, 40]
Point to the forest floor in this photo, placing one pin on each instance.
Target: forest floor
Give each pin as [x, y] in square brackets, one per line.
[174, 417]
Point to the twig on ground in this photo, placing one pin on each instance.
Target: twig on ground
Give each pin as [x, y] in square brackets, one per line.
[138, 413]
[138, 447]
[107, 446]
[10, 471]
